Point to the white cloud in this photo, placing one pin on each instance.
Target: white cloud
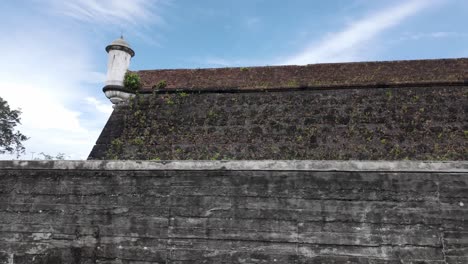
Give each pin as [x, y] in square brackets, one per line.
[252, 23]
[131, 18]
[49, 70]
[46, 75]
[347, 44]
[95, 77]
[40, 107]
[433, 35]
[105, 108]
[121, 12]
[52, 126]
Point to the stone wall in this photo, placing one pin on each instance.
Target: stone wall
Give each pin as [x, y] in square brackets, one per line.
[233, 212]
[416, 123]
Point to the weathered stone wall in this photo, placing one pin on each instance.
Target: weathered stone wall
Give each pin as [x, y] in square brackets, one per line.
[233, 212]
[416, 123]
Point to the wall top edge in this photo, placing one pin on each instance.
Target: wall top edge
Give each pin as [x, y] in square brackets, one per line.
[240, 165]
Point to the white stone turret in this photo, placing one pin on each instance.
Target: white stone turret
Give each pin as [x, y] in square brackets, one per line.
[120, 54]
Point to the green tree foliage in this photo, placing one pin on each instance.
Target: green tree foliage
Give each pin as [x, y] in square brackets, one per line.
[132, 81]
[10, 139]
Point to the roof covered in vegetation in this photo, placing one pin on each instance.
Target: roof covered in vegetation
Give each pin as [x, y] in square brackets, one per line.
[388, 73]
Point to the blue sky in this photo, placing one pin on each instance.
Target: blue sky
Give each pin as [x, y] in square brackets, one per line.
[53, 59]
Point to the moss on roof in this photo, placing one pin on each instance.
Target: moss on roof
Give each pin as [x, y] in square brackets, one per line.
[391, 73]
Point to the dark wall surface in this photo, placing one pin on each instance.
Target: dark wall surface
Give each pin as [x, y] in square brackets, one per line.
[70, 213]
[418, 123]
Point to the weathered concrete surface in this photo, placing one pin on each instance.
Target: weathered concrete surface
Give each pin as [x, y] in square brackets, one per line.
[415, 123]
[267, 165]
[117, 212]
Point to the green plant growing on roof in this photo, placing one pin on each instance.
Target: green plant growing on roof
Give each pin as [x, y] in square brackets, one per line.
[160, 85]
[183, 94]
[169, 101]
[132, 81]
[292, 83]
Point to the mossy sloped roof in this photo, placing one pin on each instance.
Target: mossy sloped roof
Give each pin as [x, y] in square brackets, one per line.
[327, 75]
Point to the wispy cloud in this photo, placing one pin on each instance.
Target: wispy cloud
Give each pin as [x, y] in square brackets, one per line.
[134, 19]
[252, 23]
[346, 44]
[433, 35]
[122, 12]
